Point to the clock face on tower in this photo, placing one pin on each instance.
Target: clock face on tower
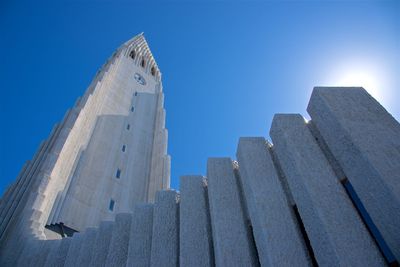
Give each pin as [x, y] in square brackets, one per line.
[139, 78]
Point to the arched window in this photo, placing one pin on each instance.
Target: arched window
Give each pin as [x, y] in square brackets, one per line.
[143, 63]
[153, 71]
[132, 54]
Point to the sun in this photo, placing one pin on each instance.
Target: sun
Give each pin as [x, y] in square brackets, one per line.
[363, 75]
[361, 79]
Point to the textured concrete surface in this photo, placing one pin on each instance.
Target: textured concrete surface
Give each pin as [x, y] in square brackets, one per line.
[195, 238]
[71, 259]
[118, 249]
[53, 251]
[86, 250]
[278, 239]
[165, 240]
[232, 239]
[336, 232]
[140, 236]
[58, 256]
[365, 140]
[103, 239]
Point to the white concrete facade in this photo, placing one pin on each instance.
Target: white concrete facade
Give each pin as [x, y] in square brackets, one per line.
[108, 154]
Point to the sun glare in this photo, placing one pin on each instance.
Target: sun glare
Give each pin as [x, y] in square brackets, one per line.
[362, 79]
[364, 76]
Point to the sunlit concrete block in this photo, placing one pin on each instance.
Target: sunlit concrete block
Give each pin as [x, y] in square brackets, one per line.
[336, 232]
[278, 239]
[165, 240]
[195, 236]
[232, 240]
[365, 140]
[140, 236]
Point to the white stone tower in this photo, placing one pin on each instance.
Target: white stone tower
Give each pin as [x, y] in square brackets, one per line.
[108, 154]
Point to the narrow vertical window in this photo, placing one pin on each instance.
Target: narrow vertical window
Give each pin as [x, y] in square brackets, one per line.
[123, 148]
[132, 54]
[128, 126]
[118, 174]
[135, 93]
[111, 206]
[132, 109]
[143, 63]
[153, 71]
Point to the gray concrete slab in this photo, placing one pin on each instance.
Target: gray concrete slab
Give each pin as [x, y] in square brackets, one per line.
[88, 244]
[103, 239]
[277, 235]
[196, 248]
[71, 259]
[335, 230]
[62, 252]
[140, 236]
[232, 239]
[365, 140]
[53, 253]
[165, 240]
[119, 243]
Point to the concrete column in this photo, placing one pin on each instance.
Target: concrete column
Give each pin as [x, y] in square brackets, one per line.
[58, 256]
[88, 242]
[232, 238]
[45, 248]
[118, 250]
[52, 252]
[102, 242]
[140, 236]
[165, 240]
[365, 140]
[277, 236]
[30, 250]
[73, 252]
[335, 230]
[195, 236]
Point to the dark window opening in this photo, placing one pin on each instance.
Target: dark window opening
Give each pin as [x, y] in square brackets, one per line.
[118, 174]
[143, 63]
[367, 220]
[128, 126]
[153, 71]
[132, 109]
[305, 236]
[132, 54]
[111, 206]
[135, 93]
[123, 148]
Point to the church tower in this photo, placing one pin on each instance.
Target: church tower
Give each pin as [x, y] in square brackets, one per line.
[108, 154]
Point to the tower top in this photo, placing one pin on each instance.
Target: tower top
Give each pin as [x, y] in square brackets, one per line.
[138, 49]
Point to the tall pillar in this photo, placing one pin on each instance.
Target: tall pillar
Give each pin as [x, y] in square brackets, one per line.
[365, 140]
[337, 235]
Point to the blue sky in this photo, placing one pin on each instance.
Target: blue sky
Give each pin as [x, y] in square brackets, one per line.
[227, 66]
